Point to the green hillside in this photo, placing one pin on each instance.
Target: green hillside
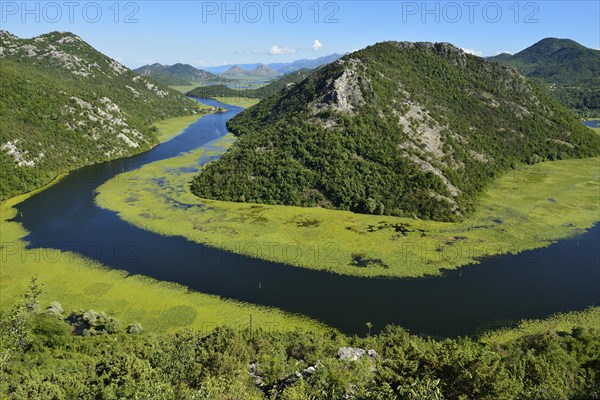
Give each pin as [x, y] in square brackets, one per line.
[571, 71]
[412, 129]
[262, 92]
[65, 105]
[177, 74]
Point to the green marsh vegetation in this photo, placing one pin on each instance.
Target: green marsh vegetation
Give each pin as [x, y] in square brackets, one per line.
[84, 283]
[48, 352]
[184, 88]
[243, 102]
[527, 208]
[172, 127]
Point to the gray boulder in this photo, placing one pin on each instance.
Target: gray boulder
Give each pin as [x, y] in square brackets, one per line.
[350, 353]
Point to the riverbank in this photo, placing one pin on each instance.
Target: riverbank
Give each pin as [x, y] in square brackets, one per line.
[528, 208]
[82, 283]
[172, 127]
[243, 102]
[595, 129]
[560, 322]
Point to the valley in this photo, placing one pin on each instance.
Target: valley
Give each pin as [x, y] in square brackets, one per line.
[208, 270]
[405, 220]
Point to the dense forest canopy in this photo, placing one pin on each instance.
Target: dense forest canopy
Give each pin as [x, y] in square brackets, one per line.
[416, 129]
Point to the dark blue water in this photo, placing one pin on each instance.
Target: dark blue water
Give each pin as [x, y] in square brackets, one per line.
[498, 292]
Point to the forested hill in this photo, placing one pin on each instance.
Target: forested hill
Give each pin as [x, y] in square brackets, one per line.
[177, 74]
[65, 105]
[571, 70]
[285, 82]
[416, 129]
[558, 61]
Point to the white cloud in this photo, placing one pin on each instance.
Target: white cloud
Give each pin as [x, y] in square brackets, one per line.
[276, 50]
[316, 46]
[474, 52]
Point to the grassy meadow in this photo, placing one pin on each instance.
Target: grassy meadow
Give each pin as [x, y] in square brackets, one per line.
[244, 102]
[560, 322]
[79, 283]
[184, 88]
[527, 208]
[170, 128]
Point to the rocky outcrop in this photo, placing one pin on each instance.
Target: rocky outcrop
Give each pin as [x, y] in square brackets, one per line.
[355, 354]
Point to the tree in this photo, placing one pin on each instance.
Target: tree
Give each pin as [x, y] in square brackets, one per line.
[134, 328]
[370, 206]
[55, 309]
[14, 328]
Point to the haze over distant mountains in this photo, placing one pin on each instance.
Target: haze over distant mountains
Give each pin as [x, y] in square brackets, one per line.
[282, 68]
[261, 70]
[185, 74]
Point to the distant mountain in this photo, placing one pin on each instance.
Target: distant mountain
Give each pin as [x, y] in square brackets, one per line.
[284, 83]
[177, 74]
[412, 129]
[305, 64]
[571, 70]
[282, 68]
[222, 68]
[275, 86]
[236, 70]
[260, 70]
[263, 70]
[557, 61]
[501, 57]
[64, 105]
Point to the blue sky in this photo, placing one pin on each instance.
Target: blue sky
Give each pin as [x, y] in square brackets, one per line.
[209, 33]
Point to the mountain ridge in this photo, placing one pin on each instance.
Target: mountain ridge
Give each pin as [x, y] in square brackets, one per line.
[260, 70]
[570, 70]
[283, 68]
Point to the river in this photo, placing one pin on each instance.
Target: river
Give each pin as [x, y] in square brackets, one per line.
[498, 292]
